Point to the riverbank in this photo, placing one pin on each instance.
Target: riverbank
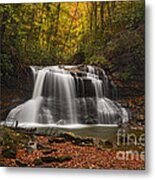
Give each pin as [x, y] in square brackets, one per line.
[68, 150]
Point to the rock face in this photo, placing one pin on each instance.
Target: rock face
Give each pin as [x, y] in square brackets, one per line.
[72, 94]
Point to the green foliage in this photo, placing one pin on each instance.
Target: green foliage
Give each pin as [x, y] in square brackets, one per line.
[121, 45]
[91, 32]
[96, 60]
[125, 75]
[6, 66]
[38, 56]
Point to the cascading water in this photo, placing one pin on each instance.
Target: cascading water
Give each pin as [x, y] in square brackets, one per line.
[69, 95]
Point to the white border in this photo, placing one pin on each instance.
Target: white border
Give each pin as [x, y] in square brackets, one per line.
[76, 174]
[36, 1]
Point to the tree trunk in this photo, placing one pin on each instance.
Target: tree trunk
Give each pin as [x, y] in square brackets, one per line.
[109, 17]
[91, 18]
[2, 29]
[95, 17]
[70, 26]
[102, 16]
[57, 20]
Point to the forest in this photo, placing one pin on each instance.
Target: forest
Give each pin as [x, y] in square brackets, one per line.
[102, 33]
[109, 35]
[106, 34]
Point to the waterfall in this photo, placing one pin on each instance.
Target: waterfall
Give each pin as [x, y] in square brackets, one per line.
[39, 84]
[69, 95]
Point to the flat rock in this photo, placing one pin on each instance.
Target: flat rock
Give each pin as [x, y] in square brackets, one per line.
[37, 162]
[20, 163]
[42, 146]
[9, 153]
[56, 140]
[49, 151]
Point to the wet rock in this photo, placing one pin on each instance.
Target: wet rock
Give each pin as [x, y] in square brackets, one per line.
[31, 146]
[20, 163]
[1, 141]
[124, 103]
[29, 150]
[140, 119]
[37, 162]
[9, 153]
[41, 146]
[56, 140]
[49, 151]
[2, 165]
[49, 159]
[77, 140]
[64, 158]
[108, 144]
[105, 144]
[68, 136]
[83, 141]
[91, 121]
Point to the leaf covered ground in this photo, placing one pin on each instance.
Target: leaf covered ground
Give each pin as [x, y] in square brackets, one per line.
[26, 150]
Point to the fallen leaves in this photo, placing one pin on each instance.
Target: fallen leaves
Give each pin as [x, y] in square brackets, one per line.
[80, 156]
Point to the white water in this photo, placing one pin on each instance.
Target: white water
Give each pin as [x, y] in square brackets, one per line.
[60, 98]
[39, 84]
